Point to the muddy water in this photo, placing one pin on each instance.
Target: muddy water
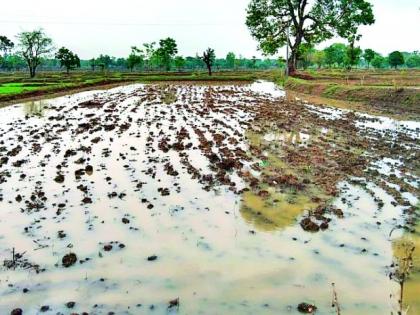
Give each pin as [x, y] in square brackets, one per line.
[146, 229]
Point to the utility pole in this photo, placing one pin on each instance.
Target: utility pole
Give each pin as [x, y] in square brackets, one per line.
[287, 51]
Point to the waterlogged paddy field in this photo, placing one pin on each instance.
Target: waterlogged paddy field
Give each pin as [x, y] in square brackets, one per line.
[196, 199]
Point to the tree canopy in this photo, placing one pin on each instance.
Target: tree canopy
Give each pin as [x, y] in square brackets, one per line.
[335, 54]
[208, 58]
[396, 59]
[67, 59]
[270, 20]
[166, 52]
[413, 61]
[6, 45]
[33, 45]
[368, 55]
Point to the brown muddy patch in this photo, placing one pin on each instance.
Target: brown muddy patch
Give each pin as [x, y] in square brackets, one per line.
[201, 199]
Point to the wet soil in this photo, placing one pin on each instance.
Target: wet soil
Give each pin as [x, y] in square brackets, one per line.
[203, 199]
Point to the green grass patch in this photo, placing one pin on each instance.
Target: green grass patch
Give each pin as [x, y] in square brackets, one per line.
[17, 88]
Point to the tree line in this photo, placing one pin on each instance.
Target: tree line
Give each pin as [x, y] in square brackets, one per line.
[339, 55]
[35, 49]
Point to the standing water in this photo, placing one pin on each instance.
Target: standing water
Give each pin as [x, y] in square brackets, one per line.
[114, 201]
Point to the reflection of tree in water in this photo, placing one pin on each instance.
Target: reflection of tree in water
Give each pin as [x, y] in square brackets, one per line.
[35, 108]
[406, 270]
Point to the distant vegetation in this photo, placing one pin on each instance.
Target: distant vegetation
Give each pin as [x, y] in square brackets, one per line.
[339, 55]
[148, 57]
[273, 23]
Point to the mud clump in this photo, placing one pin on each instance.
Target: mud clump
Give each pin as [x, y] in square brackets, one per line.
[108, 247]
[306, 308]
[16, 311]
[91, 104]
[173, 304]
[70, 304]
[89, 169]
[45, 308]
[59, 179]
[69, 260]
[227, 164]
[308, 225]
[125, 220]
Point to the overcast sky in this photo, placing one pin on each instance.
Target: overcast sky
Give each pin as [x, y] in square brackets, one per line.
[91, 27]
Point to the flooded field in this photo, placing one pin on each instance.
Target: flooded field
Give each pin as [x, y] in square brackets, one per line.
[206, 199]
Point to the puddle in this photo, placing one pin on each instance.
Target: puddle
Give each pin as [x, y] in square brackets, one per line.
[269, 88]
[144, 184]
[295, 138]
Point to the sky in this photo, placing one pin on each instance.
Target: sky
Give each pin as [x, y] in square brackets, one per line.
[92, 27]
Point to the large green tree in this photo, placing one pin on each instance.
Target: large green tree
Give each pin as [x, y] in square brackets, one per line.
[32, 46]
[396, 59]
[309, 21]
[335, 54]
[68, 59]
[166, 52]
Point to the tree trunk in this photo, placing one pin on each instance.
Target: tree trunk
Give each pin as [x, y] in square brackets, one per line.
[292, 63]
[32, 72]
[209, 68]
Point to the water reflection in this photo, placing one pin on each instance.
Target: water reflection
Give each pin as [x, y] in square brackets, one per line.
[411, 287]
[35, 108]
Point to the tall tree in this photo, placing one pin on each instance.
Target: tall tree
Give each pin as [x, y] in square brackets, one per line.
[208, 58]
[368, 55]
[6, 45]
[269, 21]
[166, 52]
[67, 59]
[32, 46]
[396, 59]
